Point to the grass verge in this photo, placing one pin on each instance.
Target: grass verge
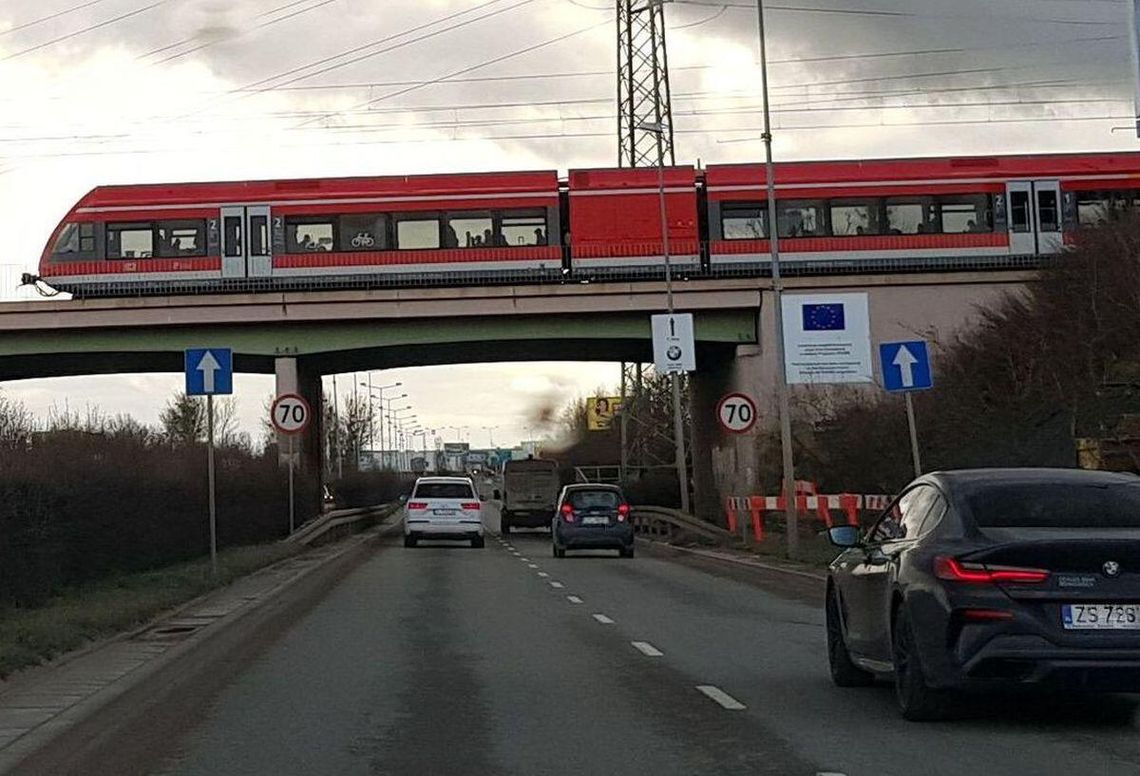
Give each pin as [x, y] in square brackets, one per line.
[29, 637]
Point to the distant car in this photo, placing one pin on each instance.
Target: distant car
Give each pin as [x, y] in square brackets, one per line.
[443, 508]
[989, 578]
[591, 517]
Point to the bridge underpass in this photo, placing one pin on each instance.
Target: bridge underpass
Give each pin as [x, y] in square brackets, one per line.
[301, 337]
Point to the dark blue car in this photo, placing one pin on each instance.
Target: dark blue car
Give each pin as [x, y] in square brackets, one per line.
[591, 517]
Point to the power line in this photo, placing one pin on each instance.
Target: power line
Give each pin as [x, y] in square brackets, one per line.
[895, 14]
[85, 30]
[49, 17]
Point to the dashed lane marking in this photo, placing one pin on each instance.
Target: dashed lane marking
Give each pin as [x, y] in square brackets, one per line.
[557, 585]
[647, 649]
[543, 574]
[721, 697]
[603, 619]
[573, 599]
[533, 565]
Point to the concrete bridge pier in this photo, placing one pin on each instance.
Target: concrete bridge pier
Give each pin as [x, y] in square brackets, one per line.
[297, 376]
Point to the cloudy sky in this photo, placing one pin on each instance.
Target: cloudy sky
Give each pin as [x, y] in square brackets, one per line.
[115, 91]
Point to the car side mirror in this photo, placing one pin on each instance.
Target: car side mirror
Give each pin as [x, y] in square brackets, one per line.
[497, 494]
[845, 536]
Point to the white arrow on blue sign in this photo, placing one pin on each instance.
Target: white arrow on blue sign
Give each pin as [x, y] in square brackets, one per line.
[906, 366]
[209, 372]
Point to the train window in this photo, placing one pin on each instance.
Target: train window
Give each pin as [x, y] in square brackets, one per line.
[87, 238]
[231, 225]
[130, 241]
[971, 213]
[259, 236]
[364, 232]
[181, 238]
[910, 215]
[854, 217]
[470, 230]
[309, 234]
[1094, 207]
[524, 228]
[1020, 219]
[745, 222]
[68, 240]
[1048, 210]
[417, 233]
[800, 218]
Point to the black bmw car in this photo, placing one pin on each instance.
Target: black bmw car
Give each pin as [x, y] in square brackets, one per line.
[996, 577]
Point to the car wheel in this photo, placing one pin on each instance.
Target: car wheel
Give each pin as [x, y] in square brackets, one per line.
[409, 541]
[916, 700]
[844, 673]
[477, 542]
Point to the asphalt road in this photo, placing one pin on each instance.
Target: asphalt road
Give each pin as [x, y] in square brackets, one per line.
[450, 660]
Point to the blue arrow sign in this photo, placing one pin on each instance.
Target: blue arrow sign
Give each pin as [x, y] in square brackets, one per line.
[209, 372]
[906, 366]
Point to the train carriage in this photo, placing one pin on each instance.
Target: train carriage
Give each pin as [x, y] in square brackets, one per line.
[308, 233]
[914, 211]
[520, 227]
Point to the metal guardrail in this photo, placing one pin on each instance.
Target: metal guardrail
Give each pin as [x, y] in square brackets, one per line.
[340, 520]
[671, 524]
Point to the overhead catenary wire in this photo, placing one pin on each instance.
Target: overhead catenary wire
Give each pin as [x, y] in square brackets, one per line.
[85, 30]
[49, 17]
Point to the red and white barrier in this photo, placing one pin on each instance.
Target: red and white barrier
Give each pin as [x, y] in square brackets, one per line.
[806, 502]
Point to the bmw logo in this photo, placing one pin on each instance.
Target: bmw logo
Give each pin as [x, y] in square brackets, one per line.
[1111, 569]
[674, 353]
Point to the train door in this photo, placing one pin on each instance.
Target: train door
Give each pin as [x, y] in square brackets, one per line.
[1034, 217]
[247, 250]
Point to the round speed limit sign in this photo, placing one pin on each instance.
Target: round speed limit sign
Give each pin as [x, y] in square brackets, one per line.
[290, 414]
[737, 413]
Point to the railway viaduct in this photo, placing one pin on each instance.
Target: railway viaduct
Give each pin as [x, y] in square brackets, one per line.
[300, 336]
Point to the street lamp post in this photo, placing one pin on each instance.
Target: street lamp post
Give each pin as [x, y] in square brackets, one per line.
[371, 412]
[658, 128]
[777, 295]
[490, 435]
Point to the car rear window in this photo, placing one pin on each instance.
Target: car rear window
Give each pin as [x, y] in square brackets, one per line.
[586, 499]
[443, 490]
[1056, 506]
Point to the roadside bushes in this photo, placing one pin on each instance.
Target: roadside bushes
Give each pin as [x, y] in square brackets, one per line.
[80, 505]
[365, 489]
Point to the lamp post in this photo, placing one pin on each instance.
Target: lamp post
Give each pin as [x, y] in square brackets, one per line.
[372, 414]
[490, 435]
[658, 128]
[777, 296]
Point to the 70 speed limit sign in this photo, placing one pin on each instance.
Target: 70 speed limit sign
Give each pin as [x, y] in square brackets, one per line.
[737, 413]
[290, 414]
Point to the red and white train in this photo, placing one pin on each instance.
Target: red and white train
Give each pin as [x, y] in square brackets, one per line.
[534, 226]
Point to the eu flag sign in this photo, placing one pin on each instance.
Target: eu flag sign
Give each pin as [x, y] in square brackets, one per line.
[824, 317]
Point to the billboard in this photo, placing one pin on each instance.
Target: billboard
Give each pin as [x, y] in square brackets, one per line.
[827, 339]
[456, 448]
[600, 412]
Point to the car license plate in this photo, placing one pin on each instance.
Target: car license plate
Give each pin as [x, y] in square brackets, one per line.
[1101, 616]
[444, 512]
[595, 520]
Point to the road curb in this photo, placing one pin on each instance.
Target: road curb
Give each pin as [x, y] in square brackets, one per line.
[738, 561]
[60, 744]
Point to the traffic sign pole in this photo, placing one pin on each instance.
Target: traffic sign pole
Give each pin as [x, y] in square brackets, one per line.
[292, 491]
[913, 436]
[213, 499]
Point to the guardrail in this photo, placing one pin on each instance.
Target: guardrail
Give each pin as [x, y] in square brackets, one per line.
[341, 522]
[671, 524]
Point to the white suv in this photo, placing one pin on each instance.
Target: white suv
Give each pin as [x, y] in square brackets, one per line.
[443, 508]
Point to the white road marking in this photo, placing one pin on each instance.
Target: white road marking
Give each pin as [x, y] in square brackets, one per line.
[573, 599]
[603, 619]
[830, 773]
[543, 574]
[647, 649]
[524, 560]
[533, 565]
[557, 585]
[721, 697]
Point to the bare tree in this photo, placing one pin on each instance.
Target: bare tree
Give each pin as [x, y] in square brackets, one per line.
[16, 423]
[183, 420]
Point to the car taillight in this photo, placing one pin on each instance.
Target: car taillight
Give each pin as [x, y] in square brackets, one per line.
[470, 505]
[986, 615]
[623, 511]
[954, 570]
[417, 505]
[568, 513]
